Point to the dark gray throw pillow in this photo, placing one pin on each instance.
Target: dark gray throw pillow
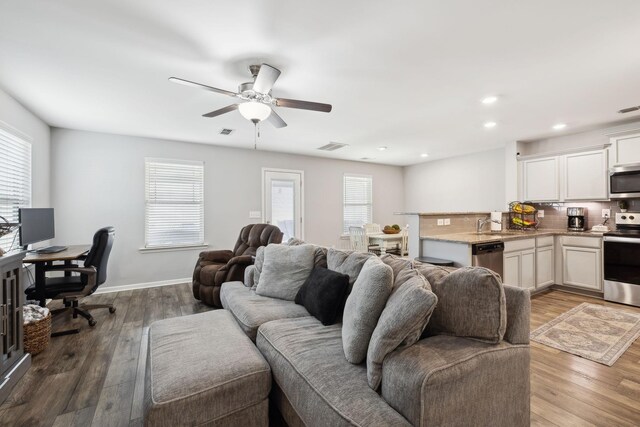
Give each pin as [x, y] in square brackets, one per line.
[323, 294]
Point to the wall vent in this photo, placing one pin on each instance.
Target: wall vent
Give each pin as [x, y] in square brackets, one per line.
[629, 110]
[332, 146]
[366, 158]
[226, 131]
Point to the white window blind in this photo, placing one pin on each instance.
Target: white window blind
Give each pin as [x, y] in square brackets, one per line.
[15, 182]
[358, 201]
[174, 203]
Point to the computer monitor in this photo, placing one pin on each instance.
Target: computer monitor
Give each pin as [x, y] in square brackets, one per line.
[36, 225]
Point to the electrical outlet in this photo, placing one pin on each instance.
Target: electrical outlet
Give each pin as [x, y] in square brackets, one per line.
[447, 221]
[606, 213]
[255, 214]
[540, 213]
[440, 221]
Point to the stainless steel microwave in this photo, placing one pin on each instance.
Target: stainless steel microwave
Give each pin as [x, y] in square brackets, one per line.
[624, 181]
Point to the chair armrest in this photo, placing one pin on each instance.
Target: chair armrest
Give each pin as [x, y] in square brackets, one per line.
[90, 272]
[241, 260]
[223, 256]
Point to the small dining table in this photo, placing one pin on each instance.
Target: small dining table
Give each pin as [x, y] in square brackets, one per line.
[382, 240]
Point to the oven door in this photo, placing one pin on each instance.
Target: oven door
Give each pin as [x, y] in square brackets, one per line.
[624, 182]
[622, 269]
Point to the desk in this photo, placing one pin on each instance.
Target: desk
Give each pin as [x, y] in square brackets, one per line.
[42, 260]
[382, 239]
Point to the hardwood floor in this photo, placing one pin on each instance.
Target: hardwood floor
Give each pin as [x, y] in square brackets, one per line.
[97, 377]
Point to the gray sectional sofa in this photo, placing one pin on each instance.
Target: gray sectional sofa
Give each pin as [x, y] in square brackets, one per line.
[470, 367]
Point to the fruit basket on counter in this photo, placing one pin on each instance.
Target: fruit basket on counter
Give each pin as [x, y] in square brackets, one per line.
[522, 216]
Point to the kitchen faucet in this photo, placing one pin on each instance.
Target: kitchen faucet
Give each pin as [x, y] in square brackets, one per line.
[482, 222]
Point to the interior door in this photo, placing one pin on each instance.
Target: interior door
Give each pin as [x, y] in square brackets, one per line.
[282, 195]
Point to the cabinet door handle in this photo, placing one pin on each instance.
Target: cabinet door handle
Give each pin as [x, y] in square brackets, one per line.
[5, 320]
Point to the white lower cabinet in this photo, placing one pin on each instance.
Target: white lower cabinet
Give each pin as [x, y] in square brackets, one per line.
[582, 262]
[545, 262]
[519, 267]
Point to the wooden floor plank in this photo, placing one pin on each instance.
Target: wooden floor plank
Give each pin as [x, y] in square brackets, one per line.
[98, 374]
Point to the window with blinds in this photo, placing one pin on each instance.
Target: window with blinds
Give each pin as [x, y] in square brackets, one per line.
[174, 203]
[15, 182]
[358, 201]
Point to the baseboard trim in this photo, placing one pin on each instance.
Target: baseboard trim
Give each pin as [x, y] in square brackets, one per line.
[120, 288]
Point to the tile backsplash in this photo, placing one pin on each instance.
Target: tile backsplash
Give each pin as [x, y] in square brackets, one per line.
[555, 214]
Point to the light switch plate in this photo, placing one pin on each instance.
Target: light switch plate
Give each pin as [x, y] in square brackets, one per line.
[255, 214]
[540, 213]
[606, 213]
[447, 221]
[441, 221]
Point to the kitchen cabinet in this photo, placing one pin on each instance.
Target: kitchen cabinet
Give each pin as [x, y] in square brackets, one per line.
[625, 149]
[582, 262]
[545, 262]
[541, 179]
[519, 267]
[585, 176]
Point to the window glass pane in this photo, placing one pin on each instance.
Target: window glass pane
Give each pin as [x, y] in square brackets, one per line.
[358, 201]
[15, 183]
[174, 213]
[283, 207]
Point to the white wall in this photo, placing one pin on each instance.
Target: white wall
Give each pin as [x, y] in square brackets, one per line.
[98, 180]
[17, 119]
[470, 183]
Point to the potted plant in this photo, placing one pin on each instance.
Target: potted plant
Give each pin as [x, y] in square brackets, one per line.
[623, 205]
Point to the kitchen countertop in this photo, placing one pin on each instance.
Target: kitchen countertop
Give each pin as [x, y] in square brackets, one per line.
[471, 237]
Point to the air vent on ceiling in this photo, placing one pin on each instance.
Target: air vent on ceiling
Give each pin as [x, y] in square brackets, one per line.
[629, 110]
[226, 131]
[332, 146]
[366, 158]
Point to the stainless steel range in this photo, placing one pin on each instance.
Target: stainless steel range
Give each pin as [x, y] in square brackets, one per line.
[622, 260]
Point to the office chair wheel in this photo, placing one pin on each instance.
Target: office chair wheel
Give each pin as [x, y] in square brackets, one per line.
[92, 322]
[112, 310]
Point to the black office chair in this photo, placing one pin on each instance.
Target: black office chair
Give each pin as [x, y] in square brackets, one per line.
[70, 289]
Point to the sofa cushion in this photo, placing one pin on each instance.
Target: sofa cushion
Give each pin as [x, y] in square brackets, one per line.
[471, 303]
[396, 263]
[363, 307]
[347, 262]
[401, 323]
[284, 271]
[308, 364]
[252, 310]
[319, 258]
[323, 294]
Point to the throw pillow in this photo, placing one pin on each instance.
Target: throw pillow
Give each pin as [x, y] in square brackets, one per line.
[284, 270]
[347, 262]
[401, 323]
[323, 294]
[471, 303]
[363, 307]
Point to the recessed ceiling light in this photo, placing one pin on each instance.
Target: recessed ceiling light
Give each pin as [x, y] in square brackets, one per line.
[489, 100]
[490, 125]
[559, 126]
[424, 155]
[383, 148]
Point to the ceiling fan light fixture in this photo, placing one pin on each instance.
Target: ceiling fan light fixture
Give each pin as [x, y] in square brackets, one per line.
[254, 110]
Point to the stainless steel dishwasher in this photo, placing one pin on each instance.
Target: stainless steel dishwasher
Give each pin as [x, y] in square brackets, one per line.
[488, 255]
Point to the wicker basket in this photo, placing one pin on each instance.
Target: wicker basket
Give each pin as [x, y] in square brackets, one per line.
[37, 335]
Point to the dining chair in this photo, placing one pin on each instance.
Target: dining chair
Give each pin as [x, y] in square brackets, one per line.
[403, 248]
[358, 239]
[372, 228]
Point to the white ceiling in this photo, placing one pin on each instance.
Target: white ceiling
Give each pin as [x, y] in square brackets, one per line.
[408, 75]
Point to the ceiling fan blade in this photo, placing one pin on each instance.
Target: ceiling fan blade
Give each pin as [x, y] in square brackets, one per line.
[201, 86]
[303, 105]
[276, 120]
[224, 110]
[267, 76]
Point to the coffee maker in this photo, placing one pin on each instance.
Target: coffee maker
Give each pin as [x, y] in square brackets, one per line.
[576, 219]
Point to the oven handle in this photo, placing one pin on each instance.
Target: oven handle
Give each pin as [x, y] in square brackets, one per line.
[621, 239]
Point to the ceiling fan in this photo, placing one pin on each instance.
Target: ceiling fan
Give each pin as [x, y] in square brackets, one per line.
[257, 100]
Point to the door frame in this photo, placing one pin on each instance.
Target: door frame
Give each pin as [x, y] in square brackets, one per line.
[264, 198]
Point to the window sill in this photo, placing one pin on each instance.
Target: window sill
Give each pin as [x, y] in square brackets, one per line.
[173, 248]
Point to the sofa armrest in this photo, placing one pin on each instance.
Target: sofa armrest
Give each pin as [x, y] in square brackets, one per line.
[223, 256]
[249, 276]
[445, 380]
[518, 312]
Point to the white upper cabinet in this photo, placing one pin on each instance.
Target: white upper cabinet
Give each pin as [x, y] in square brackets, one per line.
[541, 179]
[571, 177]
[625, 149]
[586, 176]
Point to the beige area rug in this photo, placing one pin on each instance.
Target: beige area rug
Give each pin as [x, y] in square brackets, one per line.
[591, 331]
